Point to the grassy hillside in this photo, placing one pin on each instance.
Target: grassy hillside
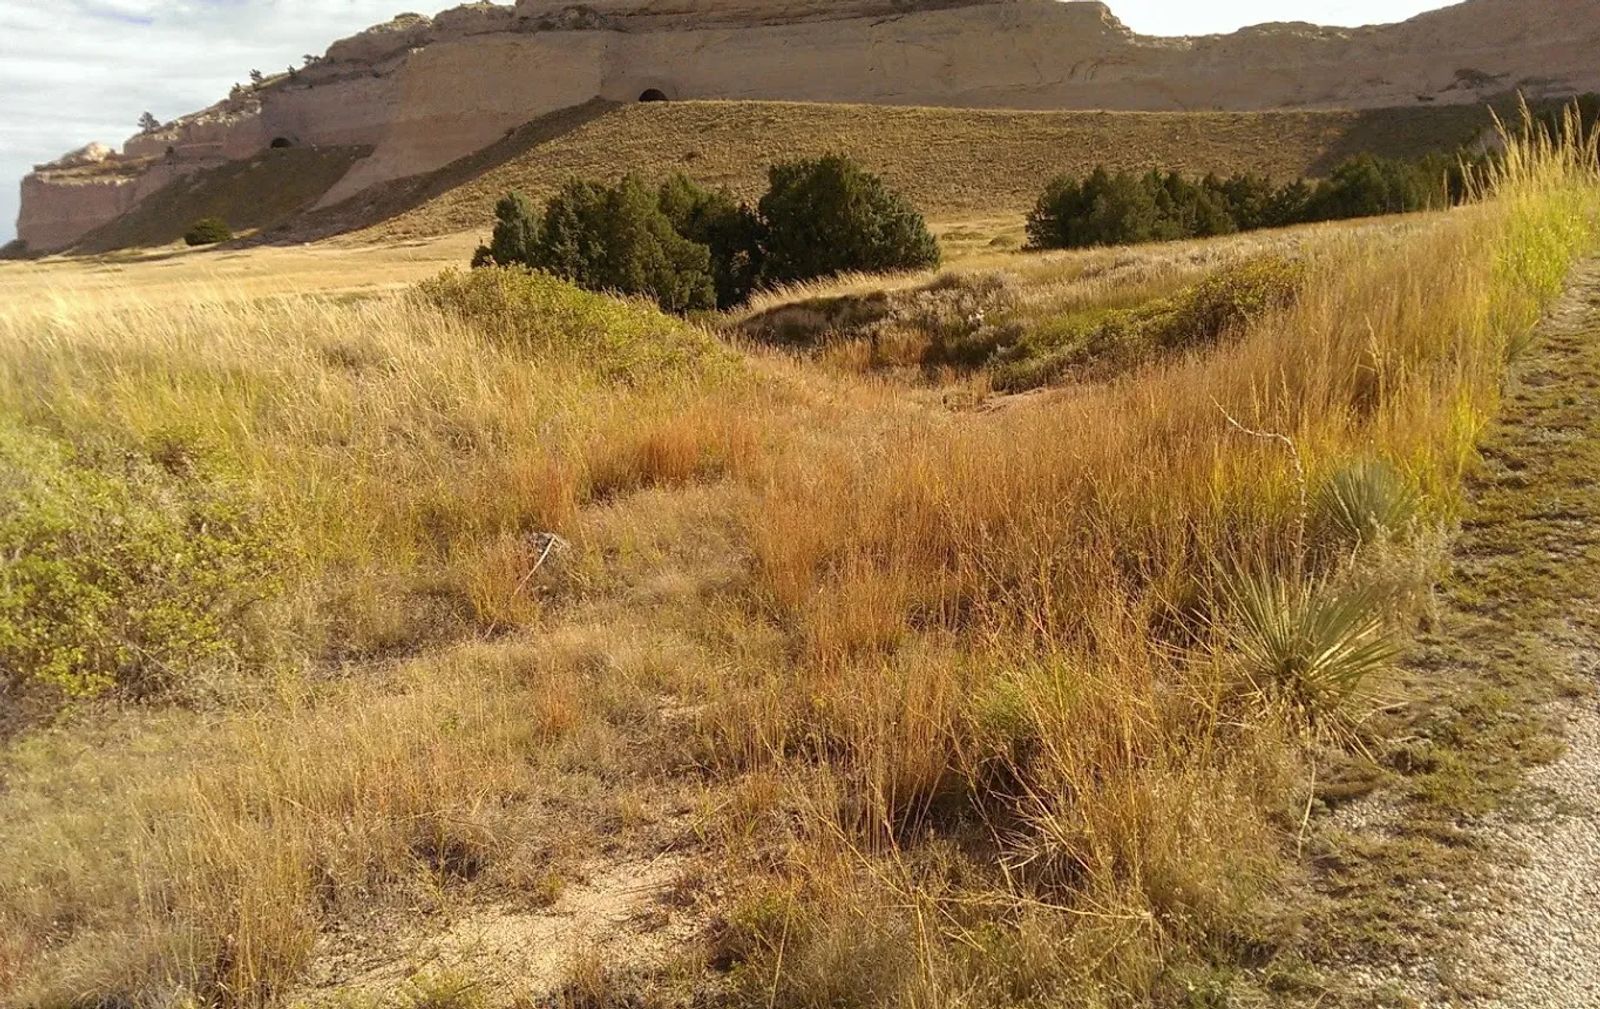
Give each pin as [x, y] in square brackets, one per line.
[954, 163]
[493, 643]
[256, 194]
[957, 164]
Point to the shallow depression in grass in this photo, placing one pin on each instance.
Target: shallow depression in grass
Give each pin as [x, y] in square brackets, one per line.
[924, 706]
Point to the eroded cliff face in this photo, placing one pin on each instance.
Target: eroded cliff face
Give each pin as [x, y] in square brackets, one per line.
[61, 206]
[422, 92]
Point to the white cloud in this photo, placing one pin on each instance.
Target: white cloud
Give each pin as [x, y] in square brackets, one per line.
[73, 71]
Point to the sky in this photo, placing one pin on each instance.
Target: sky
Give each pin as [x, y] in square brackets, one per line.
[75, 71]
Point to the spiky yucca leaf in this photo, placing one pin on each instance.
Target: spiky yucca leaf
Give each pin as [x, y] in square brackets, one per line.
[1307, 644]
[1367, 499]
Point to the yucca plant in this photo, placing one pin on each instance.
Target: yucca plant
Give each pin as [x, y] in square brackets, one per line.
[1365, 500]
[1307, 645]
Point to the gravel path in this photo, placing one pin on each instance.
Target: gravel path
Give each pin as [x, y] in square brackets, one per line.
[1545, 946]
[1540, 946]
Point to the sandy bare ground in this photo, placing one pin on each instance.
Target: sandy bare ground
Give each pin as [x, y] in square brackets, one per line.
[617, 913]
[1533, 940]
[1540, 947]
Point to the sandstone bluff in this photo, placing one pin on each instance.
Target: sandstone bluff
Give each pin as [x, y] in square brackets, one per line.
[419, 92]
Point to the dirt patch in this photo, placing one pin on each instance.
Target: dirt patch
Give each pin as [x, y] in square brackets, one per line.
[624, 915]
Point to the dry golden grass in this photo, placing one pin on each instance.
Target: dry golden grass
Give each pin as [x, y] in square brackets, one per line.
[177, 276]
[943, 705]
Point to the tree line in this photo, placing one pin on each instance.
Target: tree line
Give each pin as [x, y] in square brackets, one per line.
[690, 248]
[1125, 208]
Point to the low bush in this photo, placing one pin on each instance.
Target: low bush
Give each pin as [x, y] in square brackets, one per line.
[1107, 341]
[540, 314]
[1231, 299]
[123, 569]
[730, 230]
[1368, 186]
[1307, 647]
[827, 215]
[208, 231]
[1103, 209]
[516, 234]
[605, 238]
[1364, 501]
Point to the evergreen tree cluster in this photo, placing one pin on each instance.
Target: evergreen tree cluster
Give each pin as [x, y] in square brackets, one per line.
[1125, 208]
[692, 248]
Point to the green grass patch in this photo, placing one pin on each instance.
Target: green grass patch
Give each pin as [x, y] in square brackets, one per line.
[623, 341]
[1105, 341]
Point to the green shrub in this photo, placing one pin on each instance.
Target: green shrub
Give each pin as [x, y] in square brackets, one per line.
[1103, 209]
[1251, 201]
[123, 570]
[611, 239]
[1288, 205]
[1126, 209]
[1230, 299]
[1186, 209]
[730, 231]
[1369, 186]
[690, 248]
[1106, 341]
[516, 234]
[208, 231]
[615, 238]
[827, 215]
[536, 313]
[604, 238]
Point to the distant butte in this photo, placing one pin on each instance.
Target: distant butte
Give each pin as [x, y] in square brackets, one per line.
[421, 92]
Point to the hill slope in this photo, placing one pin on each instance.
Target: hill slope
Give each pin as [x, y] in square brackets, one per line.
[262, 193]
[956, 164]
[952, 162]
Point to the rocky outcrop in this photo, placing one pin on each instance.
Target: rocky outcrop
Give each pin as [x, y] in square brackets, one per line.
[422, 92]
[70, 197]
[83, 157]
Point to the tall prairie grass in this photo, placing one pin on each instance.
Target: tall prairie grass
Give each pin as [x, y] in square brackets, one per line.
[1101, 539]
[974, 703]
[407, 443]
